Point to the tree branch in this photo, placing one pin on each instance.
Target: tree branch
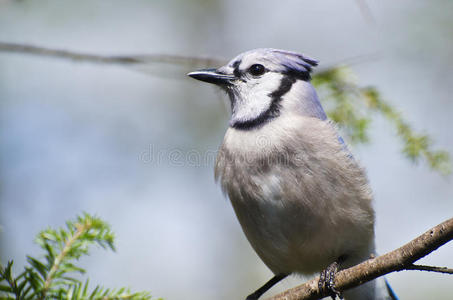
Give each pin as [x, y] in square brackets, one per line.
[396, 260]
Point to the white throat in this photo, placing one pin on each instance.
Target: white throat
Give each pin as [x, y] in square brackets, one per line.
[252, 97]
[255, 102]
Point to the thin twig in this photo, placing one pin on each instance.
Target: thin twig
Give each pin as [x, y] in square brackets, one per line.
[396, 260]
[443, 270]
[121, 59]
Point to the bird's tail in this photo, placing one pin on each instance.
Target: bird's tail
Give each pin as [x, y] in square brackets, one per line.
[390, 291]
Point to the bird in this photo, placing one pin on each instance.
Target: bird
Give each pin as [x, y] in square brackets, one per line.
[303, 201]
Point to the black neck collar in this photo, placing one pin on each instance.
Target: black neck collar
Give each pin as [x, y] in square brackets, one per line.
[274, 109]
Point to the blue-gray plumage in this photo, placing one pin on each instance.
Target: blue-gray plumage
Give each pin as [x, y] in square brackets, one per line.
[303, 202]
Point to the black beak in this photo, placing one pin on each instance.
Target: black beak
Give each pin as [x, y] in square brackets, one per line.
[212, 76]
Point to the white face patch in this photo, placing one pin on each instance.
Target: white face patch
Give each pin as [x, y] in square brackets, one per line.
[252, 96]
[265, 79]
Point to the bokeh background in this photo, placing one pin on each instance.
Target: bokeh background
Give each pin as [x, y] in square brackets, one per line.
[135, 146]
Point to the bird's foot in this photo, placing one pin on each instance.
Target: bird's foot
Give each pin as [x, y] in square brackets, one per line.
[326, 281]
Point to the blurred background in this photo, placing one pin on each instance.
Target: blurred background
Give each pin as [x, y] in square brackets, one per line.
[136, 147]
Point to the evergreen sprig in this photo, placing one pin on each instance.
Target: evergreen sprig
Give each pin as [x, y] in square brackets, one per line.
[52, 278]
[351, 106]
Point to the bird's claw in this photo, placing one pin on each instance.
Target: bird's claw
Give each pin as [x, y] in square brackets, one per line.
[326, 281]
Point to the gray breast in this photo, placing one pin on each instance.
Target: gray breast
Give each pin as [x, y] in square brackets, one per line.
[290, 183]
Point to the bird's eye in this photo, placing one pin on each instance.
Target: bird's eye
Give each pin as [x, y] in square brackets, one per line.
[257, 69]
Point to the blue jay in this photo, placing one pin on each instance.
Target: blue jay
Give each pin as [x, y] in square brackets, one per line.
[303, 202]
